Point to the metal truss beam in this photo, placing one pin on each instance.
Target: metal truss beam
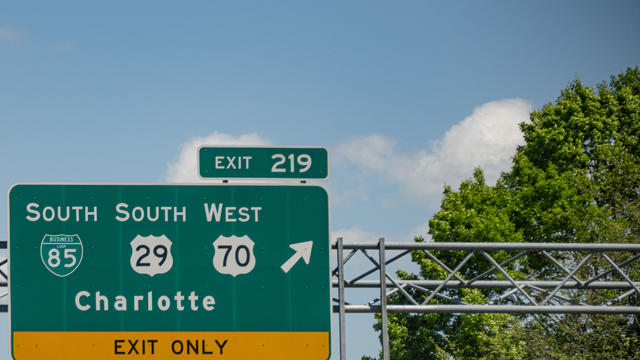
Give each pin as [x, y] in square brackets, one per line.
[470, 246]
[4, 278]
[491, 284]
[559, 291]
[496, 309]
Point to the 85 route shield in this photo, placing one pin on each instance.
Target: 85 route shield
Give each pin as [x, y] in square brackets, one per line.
[61, 254]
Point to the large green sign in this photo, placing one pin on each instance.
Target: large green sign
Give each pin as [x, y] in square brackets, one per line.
[263, 162]
[169, 272]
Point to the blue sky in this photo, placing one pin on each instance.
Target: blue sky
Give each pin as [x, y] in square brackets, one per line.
[407, 96]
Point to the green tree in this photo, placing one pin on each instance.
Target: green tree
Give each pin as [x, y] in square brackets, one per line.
[576, 179]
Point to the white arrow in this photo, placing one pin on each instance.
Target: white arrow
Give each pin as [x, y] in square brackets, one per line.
[303, 250]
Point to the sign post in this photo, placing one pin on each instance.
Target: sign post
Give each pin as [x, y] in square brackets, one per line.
[169, 272]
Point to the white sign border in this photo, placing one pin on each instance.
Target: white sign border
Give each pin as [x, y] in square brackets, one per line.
[261, 178]
[330, 244]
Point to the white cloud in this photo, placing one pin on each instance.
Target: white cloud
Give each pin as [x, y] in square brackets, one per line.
[487, 138]
[185, 168]
[354, 234]
[8, 34]
[421, 230]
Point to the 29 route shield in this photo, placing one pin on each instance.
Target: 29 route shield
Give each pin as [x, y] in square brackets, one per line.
[151, 255]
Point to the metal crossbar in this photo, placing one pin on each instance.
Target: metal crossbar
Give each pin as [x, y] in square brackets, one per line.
[493, 246]
[611, 270]
[4, 279]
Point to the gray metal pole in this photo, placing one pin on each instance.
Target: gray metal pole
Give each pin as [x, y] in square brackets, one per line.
[498, 246]
[343, 350]
[497, 309]
[493, 284]
[383, 302]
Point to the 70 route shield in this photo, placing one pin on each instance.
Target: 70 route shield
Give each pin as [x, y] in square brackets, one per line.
[234, 255]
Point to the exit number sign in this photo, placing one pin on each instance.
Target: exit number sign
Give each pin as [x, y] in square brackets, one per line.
[263, 162]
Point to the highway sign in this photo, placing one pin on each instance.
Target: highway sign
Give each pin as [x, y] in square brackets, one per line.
[263, 162]
[169, 272]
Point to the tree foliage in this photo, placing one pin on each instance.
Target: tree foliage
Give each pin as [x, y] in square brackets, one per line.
[576, 179]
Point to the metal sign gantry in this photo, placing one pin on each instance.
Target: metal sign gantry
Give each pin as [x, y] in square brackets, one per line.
[612, 267]
[617, 270]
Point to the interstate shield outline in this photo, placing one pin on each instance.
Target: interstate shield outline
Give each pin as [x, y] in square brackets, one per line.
[63, 253]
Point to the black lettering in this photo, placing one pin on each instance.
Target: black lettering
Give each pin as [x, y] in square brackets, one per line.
[147, 251]
[153, 342]
[204, 348]
[133, 347]
[221, 346]
[173, 347]
[118, 344]
[191, 346]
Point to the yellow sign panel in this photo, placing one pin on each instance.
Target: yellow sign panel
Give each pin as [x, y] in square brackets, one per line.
[100, 345]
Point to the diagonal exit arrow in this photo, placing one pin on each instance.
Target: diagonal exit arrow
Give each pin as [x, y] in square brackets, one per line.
[303, 250]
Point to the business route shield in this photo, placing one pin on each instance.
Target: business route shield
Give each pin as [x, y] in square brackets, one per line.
[61, 254]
